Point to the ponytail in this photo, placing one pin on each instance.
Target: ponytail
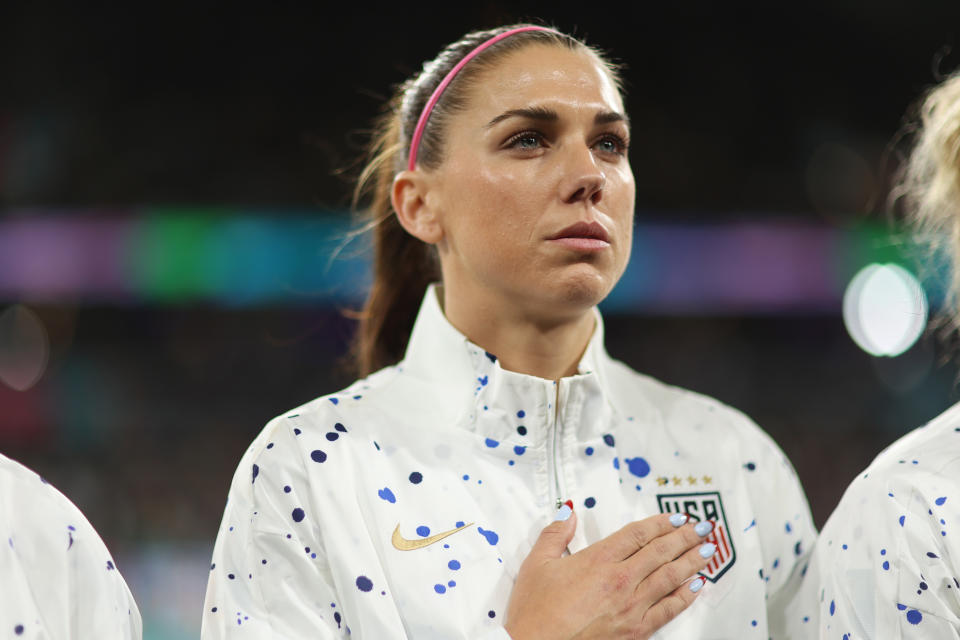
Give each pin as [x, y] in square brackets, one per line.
[403, 266]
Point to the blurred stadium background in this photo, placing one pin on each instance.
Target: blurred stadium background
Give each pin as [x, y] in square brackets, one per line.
[174, 263]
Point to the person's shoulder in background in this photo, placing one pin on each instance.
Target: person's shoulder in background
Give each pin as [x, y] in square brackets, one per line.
[59, 580]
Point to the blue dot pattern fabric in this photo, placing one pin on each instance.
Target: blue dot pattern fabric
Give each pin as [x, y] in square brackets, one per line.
[57, 578]
[416, 518]
[887, 564]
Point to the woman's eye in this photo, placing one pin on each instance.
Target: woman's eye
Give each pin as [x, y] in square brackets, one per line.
[612, 144]
[526, 141]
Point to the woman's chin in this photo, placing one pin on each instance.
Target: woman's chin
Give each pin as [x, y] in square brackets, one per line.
[580, 288]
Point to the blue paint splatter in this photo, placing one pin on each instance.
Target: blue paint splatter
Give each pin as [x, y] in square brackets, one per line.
[902, 518]
[886, 565]
[493, 444]
[416, 477]
[364, 583]
[454, 565]
[750, 466]
[588, 451]
[423, 531]
[491, 536]
[798, 548]
[483, 381]
[521, 413]
[939, 501]
[333, 435]
[752, 524]
[590, 502]
[914, 616]
[608, 439]
[616, 463]
[387, 495]
[339, 427]
[298, 514]
[788, 528]
[519, 450]
[334, 400]
[490, 356]
[522, 430]
[491, 614]
[452, 583]
[318, 456]
[638, 466]
[287, 489]
[459, 524]
[439, 588]
[256, 472]
[833, 607]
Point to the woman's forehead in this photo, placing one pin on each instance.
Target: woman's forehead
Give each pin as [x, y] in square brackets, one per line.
[548, 75]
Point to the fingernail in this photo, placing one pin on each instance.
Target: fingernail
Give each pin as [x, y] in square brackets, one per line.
[703, 528]
[678, 519]
[563, 513]
[696, 585]
[708, 550]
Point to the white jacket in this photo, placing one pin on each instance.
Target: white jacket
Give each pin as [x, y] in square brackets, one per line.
[887, 564]
[57, 579]
[334, 518]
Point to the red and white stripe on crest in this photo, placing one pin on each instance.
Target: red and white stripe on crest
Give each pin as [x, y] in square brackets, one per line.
[718, 537]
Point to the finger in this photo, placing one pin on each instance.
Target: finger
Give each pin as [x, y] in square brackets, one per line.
[635, 536]
[555, 537]
[672, 605]
[667, 548]
[665, 579]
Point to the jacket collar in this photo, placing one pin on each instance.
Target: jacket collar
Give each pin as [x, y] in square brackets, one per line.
[472, 386]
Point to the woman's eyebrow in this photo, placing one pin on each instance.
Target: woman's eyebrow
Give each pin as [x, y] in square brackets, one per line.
[606, 117]
[531, 113]
[545, 114]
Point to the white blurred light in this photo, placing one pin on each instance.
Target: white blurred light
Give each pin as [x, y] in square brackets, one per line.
[884, 309]
[24, 348]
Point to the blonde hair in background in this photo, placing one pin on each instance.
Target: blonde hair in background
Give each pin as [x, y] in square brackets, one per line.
[929, 183]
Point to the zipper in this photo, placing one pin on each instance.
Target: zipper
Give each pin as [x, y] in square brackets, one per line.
[555, 445]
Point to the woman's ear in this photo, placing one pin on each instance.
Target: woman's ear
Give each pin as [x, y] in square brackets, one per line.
[409, 199]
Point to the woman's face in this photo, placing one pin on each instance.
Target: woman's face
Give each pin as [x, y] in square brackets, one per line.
[535, 193]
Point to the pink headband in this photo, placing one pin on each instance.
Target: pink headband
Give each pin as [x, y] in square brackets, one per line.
[435, 96]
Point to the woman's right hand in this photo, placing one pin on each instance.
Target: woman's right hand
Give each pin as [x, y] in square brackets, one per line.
[627, 585]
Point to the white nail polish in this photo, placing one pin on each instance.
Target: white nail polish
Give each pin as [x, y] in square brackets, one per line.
[678, 519]
[708, 550]
[563, 513]
[696, 585]
[703, 528]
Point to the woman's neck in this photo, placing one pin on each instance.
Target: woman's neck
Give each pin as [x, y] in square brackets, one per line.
[543, 347]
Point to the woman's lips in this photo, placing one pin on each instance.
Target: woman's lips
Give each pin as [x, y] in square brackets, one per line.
[582, 244]
[583, 236]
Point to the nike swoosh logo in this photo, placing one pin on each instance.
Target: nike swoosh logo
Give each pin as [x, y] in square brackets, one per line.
[402, 544]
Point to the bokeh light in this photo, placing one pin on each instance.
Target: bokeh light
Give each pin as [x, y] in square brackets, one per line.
[884, 309]
[24, 347]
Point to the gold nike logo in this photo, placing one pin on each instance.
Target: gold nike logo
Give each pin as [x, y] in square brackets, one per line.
[402, 544]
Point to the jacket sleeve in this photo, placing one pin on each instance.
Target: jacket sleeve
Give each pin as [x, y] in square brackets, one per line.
[784, 525]
[888, 564]
[267, 580]
[58, 579]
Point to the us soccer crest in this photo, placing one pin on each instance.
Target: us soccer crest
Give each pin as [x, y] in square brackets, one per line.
[705, 506]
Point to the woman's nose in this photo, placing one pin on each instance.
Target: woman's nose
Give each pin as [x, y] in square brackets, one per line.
[584, 181]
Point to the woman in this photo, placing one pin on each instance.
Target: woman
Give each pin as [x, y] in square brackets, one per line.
[887, 564]
[413, 503]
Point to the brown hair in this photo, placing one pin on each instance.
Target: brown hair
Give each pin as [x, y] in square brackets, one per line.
[929, 184]
[403, 266]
